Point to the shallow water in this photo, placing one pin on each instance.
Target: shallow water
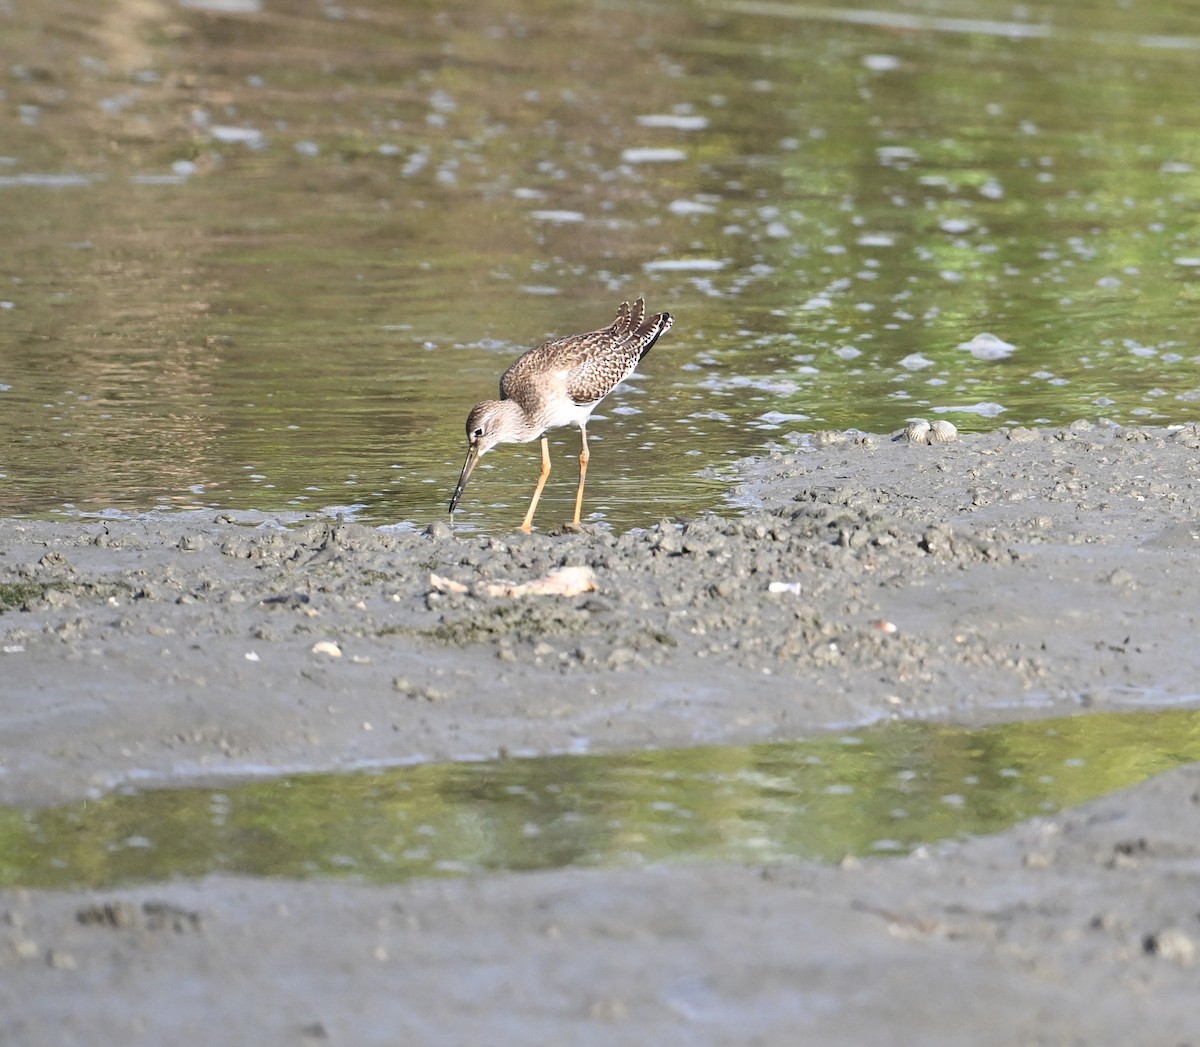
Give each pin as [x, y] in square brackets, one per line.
[881, 790]
[267, 255]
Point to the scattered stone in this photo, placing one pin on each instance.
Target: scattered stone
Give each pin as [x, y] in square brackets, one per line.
[1173, 945]
[314, 1032]
[780, 587]
[60, 960]
[108, 914]
[167, 916]
[25, 948]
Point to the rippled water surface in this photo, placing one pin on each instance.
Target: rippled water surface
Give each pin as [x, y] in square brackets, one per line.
[881, 790]
[267, 253]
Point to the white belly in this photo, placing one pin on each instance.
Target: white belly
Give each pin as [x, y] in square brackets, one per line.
[564, 412]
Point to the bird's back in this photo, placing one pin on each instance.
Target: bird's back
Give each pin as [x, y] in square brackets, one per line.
[586, 367]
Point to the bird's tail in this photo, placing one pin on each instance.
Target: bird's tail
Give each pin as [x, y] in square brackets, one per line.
[633, 325]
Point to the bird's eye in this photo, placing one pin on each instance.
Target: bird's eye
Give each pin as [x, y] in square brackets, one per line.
[478, 433]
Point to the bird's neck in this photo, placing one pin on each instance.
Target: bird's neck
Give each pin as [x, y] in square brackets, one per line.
[519, 425]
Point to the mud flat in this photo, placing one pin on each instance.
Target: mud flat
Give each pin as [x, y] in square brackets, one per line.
[1011, 575]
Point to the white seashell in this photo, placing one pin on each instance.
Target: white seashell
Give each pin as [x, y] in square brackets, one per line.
[942, 432]
[438, 584]
[917, 432]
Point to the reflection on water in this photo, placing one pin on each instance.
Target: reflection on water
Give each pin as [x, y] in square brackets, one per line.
[267, 256]
[876, 791]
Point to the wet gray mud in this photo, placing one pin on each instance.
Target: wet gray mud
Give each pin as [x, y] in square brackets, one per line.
[1007, 576]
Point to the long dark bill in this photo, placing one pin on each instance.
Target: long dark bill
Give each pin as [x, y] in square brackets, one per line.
[468, 468]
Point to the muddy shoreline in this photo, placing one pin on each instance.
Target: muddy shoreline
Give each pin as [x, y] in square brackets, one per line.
[1017, 574]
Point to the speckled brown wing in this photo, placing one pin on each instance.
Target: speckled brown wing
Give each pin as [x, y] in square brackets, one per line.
[581, 369]
[592, 364]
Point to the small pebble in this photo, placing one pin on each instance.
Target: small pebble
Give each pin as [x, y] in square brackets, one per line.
[61, 961]
[784, 587]
[1171, 944]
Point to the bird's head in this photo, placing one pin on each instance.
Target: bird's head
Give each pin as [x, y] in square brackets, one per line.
[488, 424]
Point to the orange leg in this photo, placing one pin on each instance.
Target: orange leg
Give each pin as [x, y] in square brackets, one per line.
[583, 461]
[527, 525]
